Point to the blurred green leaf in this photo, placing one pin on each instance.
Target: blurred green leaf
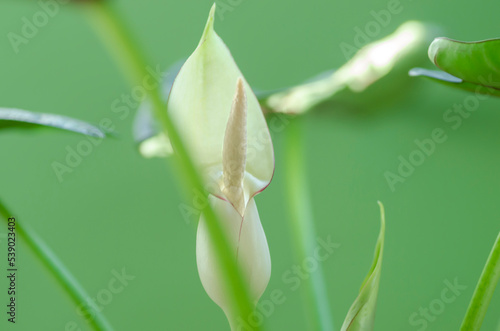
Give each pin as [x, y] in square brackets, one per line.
[361, 315]
[10, 117]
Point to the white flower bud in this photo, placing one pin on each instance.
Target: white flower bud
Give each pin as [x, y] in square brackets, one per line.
[226, 135]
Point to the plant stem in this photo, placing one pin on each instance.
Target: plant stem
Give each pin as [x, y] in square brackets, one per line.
[126, 52]
[484, 290]
[318, 307]
[57, 269]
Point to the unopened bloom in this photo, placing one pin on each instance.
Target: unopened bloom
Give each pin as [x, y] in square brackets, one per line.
[226, 134]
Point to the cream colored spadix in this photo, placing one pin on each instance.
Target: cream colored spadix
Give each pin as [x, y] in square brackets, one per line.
[200, 105]
[234, 153]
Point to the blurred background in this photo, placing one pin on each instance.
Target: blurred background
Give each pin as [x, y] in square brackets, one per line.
[116, 211]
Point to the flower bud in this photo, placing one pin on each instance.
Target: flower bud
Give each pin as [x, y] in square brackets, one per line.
[227, 137]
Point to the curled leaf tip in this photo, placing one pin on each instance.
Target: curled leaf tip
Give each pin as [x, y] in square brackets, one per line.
[235, 149]
[475, 63]
[433, 49]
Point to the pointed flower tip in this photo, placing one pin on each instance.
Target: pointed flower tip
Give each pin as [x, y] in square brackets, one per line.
[209, 27]
[212, 10]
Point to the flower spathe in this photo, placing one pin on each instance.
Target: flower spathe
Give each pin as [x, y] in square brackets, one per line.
[200, 103]
[226, 135]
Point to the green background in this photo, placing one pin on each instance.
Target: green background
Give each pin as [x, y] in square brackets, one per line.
[117, 210]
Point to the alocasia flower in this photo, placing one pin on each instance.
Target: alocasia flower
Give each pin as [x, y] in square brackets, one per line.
[226, 135]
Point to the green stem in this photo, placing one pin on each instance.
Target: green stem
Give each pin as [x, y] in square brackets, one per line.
[317, 305]
[57, 269]
[484, 291]
[126, 52]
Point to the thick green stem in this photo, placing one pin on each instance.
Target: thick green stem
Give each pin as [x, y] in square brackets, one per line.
[126, 52]
[316, 303]
[484, 291]
[57, 269]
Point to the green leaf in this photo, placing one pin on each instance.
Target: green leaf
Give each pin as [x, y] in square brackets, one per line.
[10, 117]
[484, 290]
[361, 315]
[475, 62]
[470, 66]
[450, 80]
